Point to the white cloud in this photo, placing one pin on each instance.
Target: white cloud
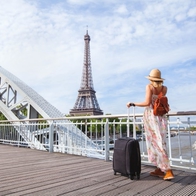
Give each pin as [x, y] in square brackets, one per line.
[122, 9]
[192, 12]
[78, 2]
[180, 17]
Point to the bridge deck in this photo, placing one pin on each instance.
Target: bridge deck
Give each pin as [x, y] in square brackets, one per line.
[30, 172]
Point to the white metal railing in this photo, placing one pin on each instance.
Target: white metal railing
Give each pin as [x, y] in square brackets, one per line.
[94, 136]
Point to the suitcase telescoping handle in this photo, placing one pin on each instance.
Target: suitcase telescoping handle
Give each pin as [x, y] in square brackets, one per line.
[128, 127]
[128, 130]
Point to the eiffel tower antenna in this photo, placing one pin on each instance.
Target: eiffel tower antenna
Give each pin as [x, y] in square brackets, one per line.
[86, 103]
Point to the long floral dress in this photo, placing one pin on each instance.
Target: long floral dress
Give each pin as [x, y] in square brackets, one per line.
[156, 128]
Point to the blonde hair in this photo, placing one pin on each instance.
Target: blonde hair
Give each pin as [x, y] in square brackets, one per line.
[156, 83]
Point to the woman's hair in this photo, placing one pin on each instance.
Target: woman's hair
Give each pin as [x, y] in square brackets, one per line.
[156, 83]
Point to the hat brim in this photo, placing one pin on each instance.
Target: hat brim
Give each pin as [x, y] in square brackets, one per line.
[155, 79]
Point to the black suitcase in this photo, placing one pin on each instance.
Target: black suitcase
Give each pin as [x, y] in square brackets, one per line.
[127, 157]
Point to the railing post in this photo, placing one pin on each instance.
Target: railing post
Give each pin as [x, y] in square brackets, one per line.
[19, 133]
[107, 140]
[179, 142]
[51, 136]
[189, 124]
[114, 131]
[86, 127]
[120, 128]
[169, 141]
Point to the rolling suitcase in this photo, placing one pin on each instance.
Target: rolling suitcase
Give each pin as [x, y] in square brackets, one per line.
[127, 158]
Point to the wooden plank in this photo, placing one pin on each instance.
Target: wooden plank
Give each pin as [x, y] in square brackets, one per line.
[30, 172]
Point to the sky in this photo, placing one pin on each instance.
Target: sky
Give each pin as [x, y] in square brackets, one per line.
[42, 43]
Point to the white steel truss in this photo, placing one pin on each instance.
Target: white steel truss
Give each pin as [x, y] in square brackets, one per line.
[19, 101]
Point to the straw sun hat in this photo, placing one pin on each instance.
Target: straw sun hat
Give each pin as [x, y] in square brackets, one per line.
[155, 75]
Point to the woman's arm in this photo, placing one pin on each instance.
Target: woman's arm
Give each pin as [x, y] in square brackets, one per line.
[147, 101]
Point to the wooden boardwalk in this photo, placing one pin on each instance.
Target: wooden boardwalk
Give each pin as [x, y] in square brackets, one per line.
[30, 172]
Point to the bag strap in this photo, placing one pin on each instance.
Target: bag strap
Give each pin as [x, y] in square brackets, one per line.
[161, 95]
[161, 92]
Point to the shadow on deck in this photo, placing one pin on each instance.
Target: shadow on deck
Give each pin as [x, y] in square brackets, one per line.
[31, 172]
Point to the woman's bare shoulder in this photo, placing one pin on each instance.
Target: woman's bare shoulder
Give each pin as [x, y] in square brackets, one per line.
[149, 87]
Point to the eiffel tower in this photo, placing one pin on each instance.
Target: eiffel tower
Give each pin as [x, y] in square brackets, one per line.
[86, 103]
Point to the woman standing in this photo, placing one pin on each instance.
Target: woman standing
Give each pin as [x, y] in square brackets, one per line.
[155, 127]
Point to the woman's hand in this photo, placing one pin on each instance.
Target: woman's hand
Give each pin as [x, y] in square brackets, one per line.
[129, 104]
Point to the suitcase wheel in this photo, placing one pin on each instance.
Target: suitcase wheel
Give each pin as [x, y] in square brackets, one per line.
[138, 175]
[131, 177]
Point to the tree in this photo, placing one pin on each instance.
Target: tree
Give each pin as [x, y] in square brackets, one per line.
[2, 117]
[123, 127]
[96, 126]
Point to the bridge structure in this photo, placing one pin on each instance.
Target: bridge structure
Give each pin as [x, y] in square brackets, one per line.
[19, 101]
[20, 104]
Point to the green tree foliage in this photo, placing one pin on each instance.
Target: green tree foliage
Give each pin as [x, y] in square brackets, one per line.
[24, 111]
[193, 128]
[2, 117]
[96, 126]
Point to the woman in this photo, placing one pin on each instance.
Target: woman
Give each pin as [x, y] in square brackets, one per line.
[155, 127]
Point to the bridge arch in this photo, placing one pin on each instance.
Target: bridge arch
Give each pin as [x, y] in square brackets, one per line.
[16, 96]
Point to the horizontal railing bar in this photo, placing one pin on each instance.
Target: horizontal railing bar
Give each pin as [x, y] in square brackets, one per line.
[181, 113]
[184, 167]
